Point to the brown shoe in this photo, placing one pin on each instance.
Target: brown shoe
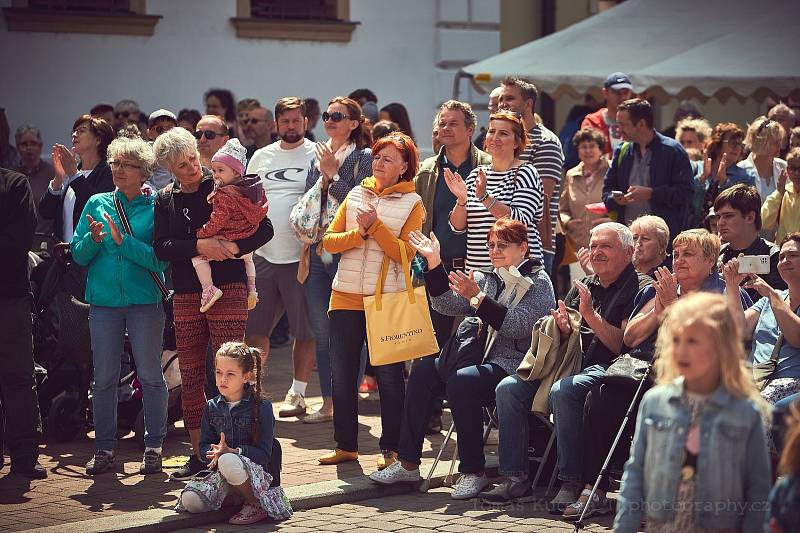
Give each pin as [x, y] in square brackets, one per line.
[386, 458]
[338, 456]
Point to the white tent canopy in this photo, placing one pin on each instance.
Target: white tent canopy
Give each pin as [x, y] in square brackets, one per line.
[684, 48]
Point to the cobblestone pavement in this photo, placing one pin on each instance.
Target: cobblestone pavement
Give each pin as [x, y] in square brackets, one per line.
[68, 495]
[434, 511]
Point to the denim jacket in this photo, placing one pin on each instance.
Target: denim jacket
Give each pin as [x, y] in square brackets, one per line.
[733, 470]
[237, 424]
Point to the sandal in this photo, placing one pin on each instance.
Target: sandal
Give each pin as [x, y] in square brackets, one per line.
[250, 514]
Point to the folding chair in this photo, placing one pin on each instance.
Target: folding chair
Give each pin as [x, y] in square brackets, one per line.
[545, 456]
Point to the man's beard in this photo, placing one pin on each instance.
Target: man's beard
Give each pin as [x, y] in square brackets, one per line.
[290, 137]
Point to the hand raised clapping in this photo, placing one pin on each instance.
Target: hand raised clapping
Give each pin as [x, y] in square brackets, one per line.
[666, 287]
[328, 164]
[96, 229]
[428, 247]
[562, 319]
[456, 184]
[366, 217]
[464, 285]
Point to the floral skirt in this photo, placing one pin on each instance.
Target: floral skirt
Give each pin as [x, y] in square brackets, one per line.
[213, 489]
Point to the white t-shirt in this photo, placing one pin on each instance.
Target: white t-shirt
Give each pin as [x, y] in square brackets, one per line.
[283, 174]
[69, 206]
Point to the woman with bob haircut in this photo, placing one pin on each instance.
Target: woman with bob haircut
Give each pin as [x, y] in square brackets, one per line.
[180, 211]
[372, 223]
[764, 140]
[341, 162]
[478, 295]
[724, 148]
[507, 188]
[124, 297]
[79, 173]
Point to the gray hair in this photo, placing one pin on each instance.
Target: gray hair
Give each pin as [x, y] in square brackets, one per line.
[27, 128]
[134, 148]
[454, 105]
[623, 233]
[654, 224]
[172, 145]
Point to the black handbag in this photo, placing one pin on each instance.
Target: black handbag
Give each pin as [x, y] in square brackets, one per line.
[627, 368]
[466, 347]
[166, 294]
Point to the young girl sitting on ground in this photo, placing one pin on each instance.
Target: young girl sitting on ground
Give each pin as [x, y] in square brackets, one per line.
[236, 436]
[699, 457]
[784, 500]
[240, 204]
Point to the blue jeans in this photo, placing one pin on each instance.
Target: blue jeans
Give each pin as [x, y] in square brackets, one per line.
[348, 332]
[145, 325]
[548, 258]
[468, 390]
[514, 400]
[567, 397]
[318, 297]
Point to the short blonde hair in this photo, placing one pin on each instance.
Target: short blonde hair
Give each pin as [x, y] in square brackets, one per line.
[711, 311]
[698, 125]
[707, 242]
[133, 148]
[172, 145]
[762, 133]
[656, 225]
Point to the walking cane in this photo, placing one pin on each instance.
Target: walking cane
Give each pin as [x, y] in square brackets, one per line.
[579, 524]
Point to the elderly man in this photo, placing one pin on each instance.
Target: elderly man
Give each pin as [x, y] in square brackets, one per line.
[785, 116]
[605, 301]
[126, 112]
[29, 145]
[211, 134]
[259, 126]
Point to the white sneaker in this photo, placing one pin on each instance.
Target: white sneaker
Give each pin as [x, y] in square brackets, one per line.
[569, 493]
[394, 473]
[294, 405]
[468, 486]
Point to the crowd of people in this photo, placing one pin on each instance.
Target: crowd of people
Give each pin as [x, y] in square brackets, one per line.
[640, 261]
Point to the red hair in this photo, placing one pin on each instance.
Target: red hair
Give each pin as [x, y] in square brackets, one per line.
[509, 230]
[405, 146]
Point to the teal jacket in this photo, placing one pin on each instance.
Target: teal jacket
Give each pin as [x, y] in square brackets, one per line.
[119, 276]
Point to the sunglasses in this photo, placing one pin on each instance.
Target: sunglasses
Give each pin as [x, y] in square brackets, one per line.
[208, 134]
[335, 116]
[500, 245]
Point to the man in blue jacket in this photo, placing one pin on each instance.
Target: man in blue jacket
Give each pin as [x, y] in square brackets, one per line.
[650, 174]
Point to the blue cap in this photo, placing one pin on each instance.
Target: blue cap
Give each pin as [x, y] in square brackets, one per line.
[617, 81]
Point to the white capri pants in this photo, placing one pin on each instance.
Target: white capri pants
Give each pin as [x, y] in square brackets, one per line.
[232, 470]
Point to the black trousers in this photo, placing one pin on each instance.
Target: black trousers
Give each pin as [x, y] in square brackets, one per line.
[603, 412]
[23, 424]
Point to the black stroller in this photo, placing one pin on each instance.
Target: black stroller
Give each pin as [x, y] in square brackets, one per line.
[62, 349]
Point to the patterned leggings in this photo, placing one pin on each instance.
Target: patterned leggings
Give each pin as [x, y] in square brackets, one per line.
[224, 322]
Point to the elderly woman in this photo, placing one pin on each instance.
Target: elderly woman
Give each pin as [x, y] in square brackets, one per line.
[583, 185]
[478, 295]
[776, 314]
[371, 225]
[507, 188]
[341, 162]
[650, 241]
[180, 211]
[695, 254]
[124, 297]
[764, 140]
[76, 181]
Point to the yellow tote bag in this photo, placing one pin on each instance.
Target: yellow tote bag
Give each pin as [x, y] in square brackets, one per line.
[399, 326]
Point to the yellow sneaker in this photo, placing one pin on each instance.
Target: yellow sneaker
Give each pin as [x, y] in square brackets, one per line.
[386, 458]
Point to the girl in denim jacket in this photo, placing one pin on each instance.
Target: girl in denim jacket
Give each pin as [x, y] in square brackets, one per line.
[784, 499]
[236, 436]
[699, 458]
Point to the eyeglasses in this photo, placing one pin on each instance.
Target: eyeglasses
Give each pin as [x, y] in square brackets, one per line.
[733, 144]
[124, 166]
[335, 116]
[762, 126]
[500, 245]
[208, 134]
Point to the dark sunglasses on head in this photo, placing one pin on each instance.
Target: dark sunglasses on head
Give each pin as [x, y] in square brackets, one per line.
[335, 116]
[210, 135]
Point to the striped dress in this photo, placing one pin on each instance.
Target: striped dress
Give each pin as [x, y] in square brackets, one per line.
[545, 153]
[520, 189]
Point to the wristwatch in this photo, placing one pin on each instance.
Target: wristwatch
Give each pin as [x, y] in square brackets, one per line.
[239, 450]
[475, 301]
